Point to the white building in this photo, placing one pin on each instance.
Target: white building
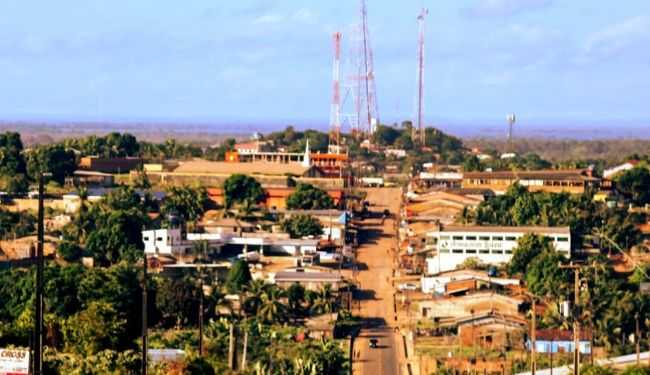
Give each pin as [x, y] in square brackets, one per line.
[171, 242]
[489, 244]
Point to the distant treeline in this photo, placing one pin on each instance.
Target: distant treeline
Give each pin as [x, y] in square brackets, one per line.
[611, 151]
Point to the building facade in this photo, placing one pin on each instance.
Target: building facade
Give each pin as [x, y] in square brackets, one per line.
[453, 245]
[552, 181]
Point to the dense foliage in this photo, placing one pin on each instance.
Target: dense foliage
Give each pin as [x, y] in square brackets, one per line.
[299, 226]
[309, 197]
[239, 188]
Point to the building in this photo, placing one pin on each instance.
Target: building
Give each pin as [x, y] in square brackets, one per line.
[90, 178]
[610, 173]
[310, 280]
[560, 341]
[452, 282]
[491, 330]
[109, 165]
[269, 174]
[450, 308]
[454, 244]
[398, 153]
[445, 179]
[252, 147]
[275, 198]
[553, 181]
[171, 242]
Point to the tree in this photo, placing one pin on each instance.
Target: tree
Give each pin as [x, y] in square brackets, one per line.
[94, 329]
[272, 309]
[177, 302]
[238, 276]
[69, 251]
[385, 135]
[296, 297]
[299, 226]
[635, 185]
[545, 278]
[309, 197]
[323, 300]
[12, 164]
[54, 159]
[190, 203]
[239, 188]
[528, 247]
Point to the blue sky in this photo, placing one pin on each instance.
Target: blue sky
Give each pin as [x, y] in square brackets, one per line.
[561, 61]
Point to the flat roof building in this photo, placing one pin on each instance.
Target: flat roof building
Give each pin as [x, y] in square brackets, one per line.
[454, 244]
[573, 181]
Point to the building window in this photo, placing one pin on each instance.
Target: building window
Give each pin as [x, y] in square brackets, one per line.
[470, 238]
[484, 238]
[470, 251]
[497, 238]
[444, 251]
[484, 251]
[444, 238]
[497, 251]
[562, 239]
[145, 239]
[508, 251]
[511, 238]
[159, 239]
[457, 251]
[458, 238]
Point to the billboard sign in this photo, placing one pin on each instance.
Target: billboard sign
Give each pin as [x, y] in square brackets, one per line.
[14, 362]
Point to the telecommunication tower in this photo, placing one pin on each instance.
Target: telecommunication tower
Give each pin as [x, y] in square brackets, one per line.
[419, 133]
[335, 110]
[511, 122]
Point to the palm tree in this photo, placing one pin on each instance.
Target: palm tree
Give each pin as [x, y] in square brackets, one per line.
[324, 300]
[272, 309]
[253, 295]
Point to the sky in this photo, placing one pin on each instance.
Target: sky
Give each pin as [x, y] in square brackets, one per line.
[264, 61]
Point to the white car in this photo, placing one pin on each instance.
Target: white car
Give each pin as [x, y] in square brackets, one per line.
[407, 286]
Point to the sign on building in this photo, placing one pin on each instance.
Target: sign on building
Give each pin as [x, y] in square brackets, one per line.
[14, 362]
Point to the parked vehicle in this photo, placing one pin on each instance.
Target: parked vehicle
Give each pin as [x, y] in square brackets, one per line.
[373, 343]
[407, 286]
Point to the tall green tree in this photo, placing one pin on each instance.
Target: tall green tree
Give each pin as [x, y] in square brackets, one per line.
[635, 184]
[528, 247]
[188, 202]
[54, 159]
[238, 276]
[299, 226]
[309, 197]
[239, 188]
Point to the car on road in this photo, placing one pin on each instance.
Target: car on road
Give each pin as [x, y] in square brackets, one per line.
[407, 286]
[373, 343]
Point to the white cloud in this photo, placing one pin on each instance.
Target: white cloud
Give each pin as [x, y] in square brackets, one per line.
[504, 8]
[269, 19]
[630, 34]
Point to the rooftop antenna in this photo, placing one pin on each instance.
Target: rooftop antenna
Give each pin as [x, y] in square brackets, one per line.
[368, 92]
[511, 122]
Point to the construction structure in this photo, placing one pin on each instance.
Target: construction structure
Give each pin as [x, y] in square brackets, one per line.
[419, 134]
[360, 97]
[511, 122]
[334, 146]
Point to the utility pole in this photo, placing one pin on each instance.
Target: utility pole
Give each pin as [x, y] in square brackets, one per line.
[533, 336]
[201, 317]
[38, 304]
[637, 340]
[144, 315]
[576, 324]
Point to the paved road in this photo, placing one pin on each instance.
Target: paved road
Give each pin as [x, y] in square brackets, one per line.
[375, 258]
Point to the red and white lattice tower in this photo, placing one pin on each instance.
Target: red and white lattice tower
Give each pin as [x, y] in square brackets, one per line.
[335, 110]
[419, 132]
[369, 119]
